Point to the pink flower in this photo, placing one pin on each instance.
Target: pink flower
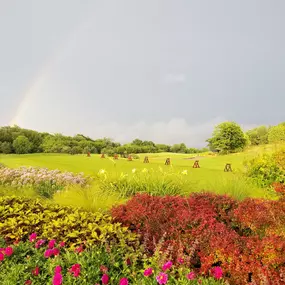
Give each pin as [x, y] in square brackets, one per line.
[148, 272]
[105, 279]
[128, 262]
[75, 270]
[103, 269]
[28, 282]
[162, 278]
[2, 256]
[2, 249]
[33, 237]
[79, 249]
[57, 269]
[62, 244]
[167, 266]
[36, 271]
[55, 251]
[8, 251]
[180, 260]
[48, 253]
[51, 243]
[190, 276]
[217, 272]
[39, 243]
[124, 281]
[57, 279]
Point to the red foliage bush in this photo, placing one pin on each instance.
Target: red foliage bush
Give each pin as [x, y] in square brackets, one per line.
[245, 238]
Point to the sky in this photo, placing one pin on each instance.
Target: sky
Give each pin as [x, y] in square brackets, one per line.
[160, 70]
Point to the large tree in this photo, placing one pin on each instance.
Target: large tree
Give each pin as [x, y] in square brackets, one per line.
[258, 135]
[277, 133]
[227, 137]
[22, 145]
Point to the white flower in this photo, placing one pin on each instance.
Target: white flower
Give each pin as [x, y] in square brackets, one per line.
[134, 170]
[184, 172]
[102, 171]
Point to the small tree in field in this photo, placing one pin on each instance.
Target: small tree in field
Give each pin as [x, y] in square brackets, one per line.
[22, 145]
[227, 137]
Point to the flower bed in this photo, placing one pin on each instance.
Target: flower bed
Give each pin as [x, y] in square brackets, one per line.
[247, 238]
[44, 180]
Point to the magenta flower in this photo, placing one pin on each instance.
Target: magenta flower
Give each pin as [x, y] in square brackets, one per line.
[57, 269]
[79, 249]
[2, 256]
[180, 260]
[190, 276]
[39, 243]
[36, 271]
[167, 265]
[51, 243]
[48, 253]
[217, 272]
[57, 279]
[103, 269]
[124, 281]
[55, 251]
[8, 251]
[28, 282]
[105, 279]
[162, 278]
[148, 272]
[33, 237]
[62, 244]
[75, 270]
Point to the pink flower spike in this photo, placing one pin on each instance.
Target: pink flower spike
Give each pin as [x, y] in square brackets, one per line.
[51, 243]
[57, 279]
[167, 265]
[33, 237]
[217, 272]
[57, 269]
[124, 281]
[105, 279]
[8, 251]
[162, 278]
[2, 256]
[148, 272]
[190, 276]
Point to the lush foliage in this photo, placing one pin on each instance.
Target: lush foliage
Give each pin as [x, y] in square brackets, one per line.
[45, 182]
[247, 238]
[277, 133]
[21, 216]
[267, 168]
[227, 137]
[258, 136]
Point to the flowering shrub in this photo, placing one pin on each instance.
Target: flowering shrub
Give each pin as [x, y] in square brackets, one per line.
[96, 265]
[75, 227]
[245, 240]
[45, 181]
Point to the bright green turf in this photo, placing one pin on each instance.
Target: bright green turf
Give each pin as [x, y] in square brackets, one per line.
[210, 173]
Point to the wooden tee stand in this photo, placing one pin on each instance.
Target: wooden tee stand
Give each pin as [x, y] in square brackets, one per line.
[146, 160]
[116, 156]
[167, 161]
[196, 164]
[228, 168]
[102, 155]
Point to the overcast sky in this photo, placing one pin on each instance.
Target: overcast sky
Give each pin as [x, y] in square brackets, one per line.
[166, 71]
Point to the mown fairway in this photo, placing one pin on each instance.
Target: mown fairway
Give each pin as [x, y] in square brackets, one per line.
[208, 176]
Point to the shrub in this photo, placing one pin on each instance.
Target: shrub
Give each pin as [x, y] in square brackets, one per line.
[22, 145]
[22, 216]
[207, 230]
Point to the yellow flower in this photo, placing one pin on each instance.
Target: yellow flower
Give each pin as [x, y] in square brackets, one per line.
[134, 170]
[184, 172]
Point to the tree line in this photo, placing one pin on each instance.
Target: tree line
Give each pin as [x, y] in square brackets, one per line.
[227, 137]
[21, 141]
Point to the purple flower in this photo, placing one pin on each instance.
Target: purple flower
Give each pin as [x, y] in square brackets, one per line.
[162, 278]
[167, 265]
[148, 272]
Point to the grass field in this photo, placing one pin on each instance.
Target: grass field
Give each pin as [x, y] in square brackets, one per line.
[210, 176]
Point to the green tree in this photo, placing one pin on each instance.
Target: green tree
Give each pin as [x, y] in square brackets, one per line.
[6, 147]
[22, 145]
[258, 135]
[227, 137]
[277, 133]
